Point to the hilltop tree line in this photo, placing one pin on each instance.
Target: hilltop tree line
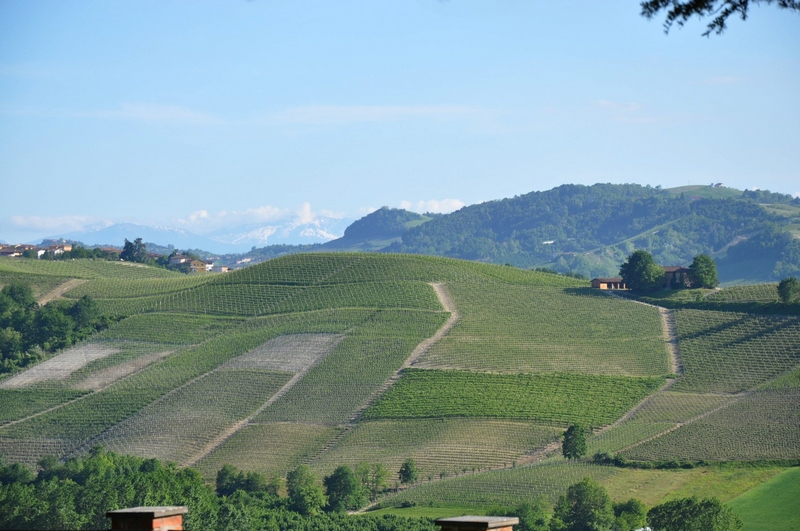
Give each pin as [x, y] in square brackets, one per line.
[590, 229]
[29, 331]
[77, 493]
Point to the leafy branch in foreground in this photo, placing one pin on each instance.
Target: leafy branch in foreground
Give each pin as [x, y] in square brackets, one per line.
[680, 11]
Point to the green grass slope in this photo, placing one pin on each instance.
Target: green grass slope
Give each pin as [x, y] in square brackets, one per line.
[771, 506]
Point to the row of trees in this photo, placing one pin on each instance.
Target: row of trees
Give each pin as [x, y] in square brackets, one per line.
[77, 493]
[640, 272]
[28, 331]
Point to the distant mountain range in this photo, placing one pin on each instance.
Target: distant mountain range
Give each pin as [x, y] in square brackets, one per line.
[236, 240]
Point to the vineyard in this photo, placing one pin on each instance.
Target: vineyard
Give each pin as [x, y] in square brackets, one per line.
[331, 359]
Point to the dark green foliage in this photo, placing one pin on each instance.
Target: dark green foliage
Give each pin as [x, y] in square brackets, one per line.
[703, 272]
[76, 495]
[574, 445]
[532, 516]
[27, 331]
[630, 515]
[528, 230]
[230, 479]
[640, 272]
[383, 224]
[691, 514]
[134, 251]
[344, 490]
[408, 472]
[305, 494]
[585, 506]
[788, 290]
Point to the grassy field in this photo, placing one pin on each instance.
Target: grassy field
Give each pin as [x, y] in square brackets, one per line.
[772, 505]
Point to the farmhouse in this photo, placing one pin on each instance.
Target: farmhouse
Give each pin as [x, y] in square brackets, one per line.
[609, 283]
[676, 277]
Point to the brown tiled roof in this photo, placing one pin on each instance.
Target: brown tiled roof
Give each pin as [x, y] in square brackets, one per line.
[676, 269]
[615, 279]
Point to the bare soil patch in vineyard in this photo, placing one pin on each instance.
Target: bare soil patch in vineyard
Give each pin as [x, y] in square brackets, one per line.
[105, 377]
[61, 366]
[289, 353]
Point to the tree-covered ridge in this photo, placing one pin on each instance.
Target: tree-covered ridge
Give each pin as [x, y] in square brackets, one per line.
[28, 332]
[590, 229]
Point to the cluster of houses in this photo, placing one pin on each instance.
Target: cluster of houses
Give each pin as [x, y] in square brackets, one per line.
[39, 251]
[674, 277]
[56, 248]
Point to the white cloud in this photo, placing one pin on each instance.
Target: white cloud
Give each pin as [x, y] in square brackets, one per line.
[348, 114]
[434, 206]
[58, 224]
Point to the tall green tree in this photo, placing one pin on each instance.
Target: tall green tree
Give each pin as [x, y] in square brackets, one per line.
[788, 289]
[586, 506]
[640, 272]
[630, 515]
[574, 445]
[408, 472]
[134, 251]
[305, 495]
[703, 272]
[343, 489]
[691, 514]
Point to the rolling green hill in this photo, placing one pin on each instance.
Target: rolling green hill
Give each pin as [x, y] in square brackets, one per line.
[473, 370]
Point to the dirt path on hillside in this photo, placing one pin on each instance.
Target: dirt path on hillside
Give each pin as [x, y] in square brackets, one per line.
[669, 330]
[59, 290]
[446, 302]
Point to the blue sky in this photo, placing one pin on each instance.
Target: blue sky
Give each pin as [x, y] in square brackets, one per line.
[203, 115]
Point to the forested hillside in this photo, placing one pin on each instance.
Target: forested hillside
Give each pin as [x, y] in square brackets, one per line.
[590, 229]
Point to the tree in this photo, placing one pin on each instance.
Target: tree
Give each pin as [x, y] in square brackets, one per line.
[134, 251]
[703, 272]
[305, 495]
[408, 472]
[585, 506]
[532, 516]
[641, 272]
[574, 445]
[788, 289]
[679, 11]
[630, 515]
[343, 489]
[691, 514]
